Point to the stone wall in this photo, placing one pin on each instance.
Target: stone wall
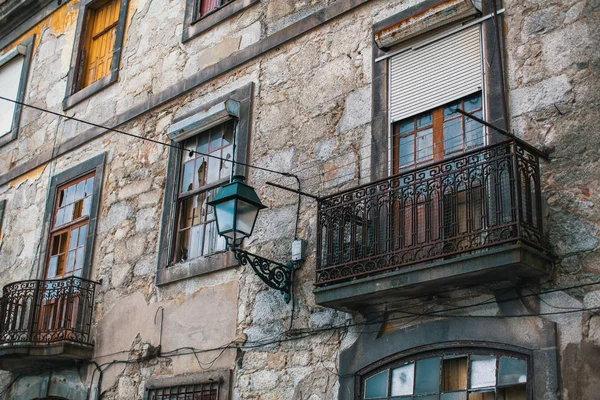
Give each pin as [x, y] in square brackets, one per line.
[311, 113]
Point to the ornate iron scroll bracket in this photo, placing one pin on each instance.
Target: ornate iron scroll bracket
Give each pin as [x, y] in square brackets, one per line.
[276, 275]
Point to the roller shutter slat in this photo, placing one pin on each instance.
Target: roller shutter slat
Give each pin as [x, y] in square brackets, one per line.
[436, 74]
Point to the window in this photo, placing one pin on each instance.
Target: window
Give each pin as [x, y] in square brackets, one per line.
[69, 228]
[204, 7]
[14, 67]
[201, 391]
[208, 385]
[97, 50]
[201, 179]
[201, 15]
[189, 244]
[476, 375]
[71, 220]
[100, 33]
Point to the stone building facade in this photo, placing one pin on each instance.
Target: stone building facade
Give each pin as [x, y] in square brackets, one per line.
[312, 84]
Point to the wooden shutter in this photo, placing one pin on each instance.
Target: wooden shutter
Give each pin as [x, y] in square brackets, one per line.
[435, 74]
[100, 40]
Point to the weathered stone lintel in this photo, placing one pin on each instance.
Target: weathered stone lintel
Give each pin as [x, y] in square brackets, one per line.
[211, 72]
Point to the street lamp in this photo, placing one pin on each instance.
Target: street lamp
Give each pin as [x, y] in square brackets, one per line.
[236, 208]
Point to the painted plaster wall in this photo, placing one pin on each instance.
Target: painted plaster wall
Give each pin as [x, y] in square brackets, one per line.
[312, 102]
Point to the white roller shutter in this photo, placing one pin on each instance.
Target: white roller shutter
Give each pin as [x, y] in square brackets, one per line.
[435, 74]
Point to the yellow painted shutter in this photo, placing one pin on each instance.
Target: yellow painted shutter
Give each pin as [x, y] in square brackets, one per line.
[100, 40]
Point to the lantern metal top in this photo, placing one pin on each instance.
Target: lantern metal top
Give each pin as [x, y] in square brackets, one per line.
[237, 189]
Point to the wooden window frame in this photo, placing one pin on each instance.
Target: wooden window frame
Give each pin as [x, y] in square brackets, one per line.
[22, 49]
[75, 93]
[68, 228]
[205, 189]
[93, 166]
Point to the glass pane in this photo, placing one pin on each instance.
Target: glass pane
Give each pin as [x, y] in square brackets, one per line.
[82, 233]
[210, 238]
[483, 371]
[473, 131]
[188, 177]
[512, 393]
[70, 194]
[215, 138]
[187, 146]
[80, 191]
[52, 267]
[198, 209]
[511, 370]
[87, 202]
[406, 151]
[473, 102]
[10, 78]
[213, 167]
[89, 186]
[482, 395]
[74, 237]
[225, 215]
[424, 145]
[430, 397]
[59, 217]
[376, 386]
[200, 171]
[453, 135]
[195, 243]
[406, 126]
[451, 108]
[454, 374]
[68, 216]
[424, 120]
[246, 215]
[203, 144]
[70, 261]
[225, 165]
[428, 376]
[454, 396]
[403, 379]
[228, 134]
[79, 258]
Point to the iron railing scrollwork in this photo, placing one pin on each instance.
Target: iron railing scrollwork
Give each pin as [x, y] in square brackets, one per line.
[486, 197]
[38, 312]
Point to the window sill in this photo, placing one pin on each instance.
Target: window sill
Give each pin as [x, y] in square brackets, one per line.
[196, 267]
[194, 28]
[90, 90]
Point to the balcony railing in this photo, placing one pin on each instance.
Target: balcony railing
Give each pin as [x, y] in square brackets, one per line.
[486, 197]
[41, 312]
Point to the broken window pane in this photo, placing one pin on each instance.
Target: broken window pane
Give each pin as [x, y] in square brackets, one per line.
[483, 371]
[512, 393]
[454, 374]
[427, 378]
[403, 380]
[376, 386]
[511, 370]
[482, 395]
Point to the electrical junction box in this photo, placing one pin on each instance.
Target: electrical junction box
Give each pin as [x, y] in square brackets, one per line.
[298, 250]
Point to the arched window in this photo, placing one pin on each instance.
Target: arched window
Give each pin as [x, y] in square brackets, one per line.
[473, 374]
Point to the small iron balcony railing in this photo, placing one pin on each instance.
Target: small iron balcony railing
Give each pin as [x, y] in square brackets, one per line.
[40, 312]
[487, 197]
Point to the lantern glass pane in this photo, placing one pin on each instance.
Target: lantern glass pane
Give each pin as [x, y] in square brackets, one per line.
[246, 215]
[225, 217]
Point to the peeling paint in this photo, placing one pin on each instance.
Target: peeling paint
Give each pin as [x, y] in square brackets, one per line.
[33, 175]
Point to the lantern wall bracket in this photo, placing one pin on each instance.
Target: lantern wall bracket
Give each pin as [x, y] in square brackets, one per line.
[276, 275]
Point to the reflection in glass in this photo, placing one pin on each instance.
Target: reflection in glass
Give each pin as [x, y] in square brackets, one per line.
[376, 386]
[511, 371]
[403, 380]
[428, 376]
[483, 371]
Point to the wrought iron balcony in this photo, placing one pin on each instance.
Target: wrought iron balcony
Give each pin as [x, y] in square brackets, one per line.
[449, 215]
[44, 321]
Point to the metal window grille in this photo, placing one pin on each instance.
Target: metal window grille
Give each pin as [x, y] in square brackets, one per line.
[199, 391]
